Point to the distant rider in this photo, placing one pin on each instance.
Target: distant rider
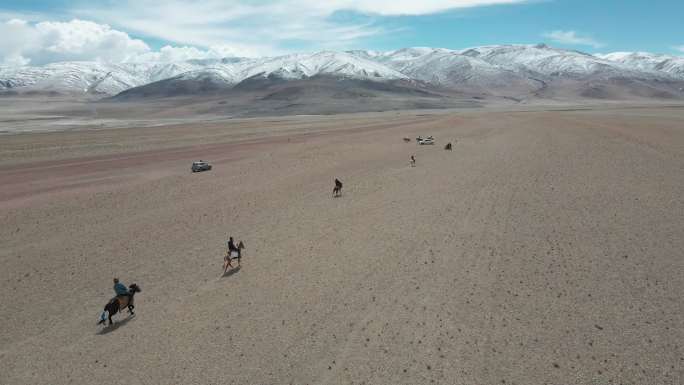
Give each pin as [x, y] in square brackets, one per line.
[232, 247]
[337, 191]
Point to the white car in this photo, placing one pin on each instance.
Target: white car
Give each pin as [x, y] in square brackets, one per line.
[426, 141]
[200, 166]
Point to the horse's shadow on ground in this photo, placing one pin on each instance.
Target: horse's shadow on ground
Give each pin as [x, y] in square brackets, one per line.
[231, 272]
[117, 324]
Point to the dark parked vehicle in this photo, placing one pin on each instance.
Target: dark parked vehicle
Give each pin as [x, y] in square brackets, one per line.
[200, 166]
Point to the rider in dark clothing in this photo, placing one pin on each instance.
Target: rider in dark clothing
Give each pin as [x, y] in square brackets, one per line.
[232, 247]
[337, 191]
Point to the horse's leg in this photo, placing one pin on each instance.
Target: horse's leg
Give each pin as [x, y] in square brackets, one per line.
[130, 309]
[113, 309]
[102, 317]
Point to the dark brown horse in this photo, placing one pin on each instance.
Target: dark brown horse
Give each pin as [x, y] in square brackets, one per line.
[119, 303]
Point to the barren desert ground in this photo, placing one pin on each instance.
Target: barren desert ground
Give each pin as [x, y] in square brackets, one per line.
[546, 248]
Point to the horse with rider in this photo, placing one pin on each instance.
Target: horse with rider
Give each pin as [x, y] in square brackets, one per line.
[232, 252]
[337, 190]
[123, 299]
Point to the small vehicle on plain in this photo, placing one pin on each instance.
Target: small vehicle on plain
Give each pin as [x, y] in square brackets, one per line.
[200, 166]
[428, 140]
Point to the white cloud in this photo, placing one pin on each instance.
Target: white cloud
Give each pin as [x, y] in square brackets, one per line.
[571, 38]
[17, 36]
[45, 42]
[679, 48]
[263, 27]
[203, 28]
[395, 8]
[176, 54]
[27, 43]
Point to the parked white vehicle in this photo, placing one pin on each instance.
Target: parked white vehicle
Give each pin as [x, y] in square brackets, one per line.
[200, 166]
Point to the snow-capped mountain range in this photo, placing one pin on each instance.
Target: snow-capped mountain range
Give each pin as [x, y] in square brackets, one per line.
[501, 69]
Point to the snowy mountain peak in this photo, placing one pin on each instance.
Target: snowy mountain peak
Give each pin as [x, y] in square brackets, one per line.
[644, 61]
[498, 69]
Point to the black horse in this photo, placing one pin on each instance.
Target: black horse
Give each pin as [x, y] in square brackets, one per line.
[118, 303]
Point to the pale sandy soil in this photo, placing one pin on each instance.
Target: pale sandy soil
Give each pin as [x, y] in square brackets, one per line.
[546, 248]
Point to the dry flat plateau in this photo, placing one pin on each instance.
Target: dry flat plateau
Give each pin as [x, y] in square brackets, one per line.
[546, 248]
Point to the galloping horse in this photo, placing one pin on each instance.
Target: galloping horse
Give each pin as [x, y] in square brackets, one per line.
[227, 259]
[118, 303]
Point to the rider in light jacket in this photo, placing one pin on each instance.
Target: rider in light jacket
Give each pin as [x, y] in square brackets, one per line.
[120, 288]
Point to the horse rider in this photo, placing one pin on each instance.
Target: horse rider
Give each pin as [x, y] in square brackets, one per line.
[121, 290]
[338, 184]
[232, 247]
[413, 161]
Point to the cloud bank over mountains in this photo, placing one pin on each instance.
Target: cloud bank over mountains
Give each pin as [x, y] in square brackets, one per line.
[45, 42]
[265, 27]
[571, 38]
[123, 31]
[36, 44]
[202, 29]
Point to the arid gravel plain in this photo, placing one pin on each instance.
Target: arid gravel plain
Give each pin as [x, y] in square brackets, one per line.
[546, 248]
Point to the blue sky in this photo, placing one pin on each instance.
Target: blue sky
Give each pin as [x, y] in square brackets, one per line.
[268, 27]
[617, 25]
